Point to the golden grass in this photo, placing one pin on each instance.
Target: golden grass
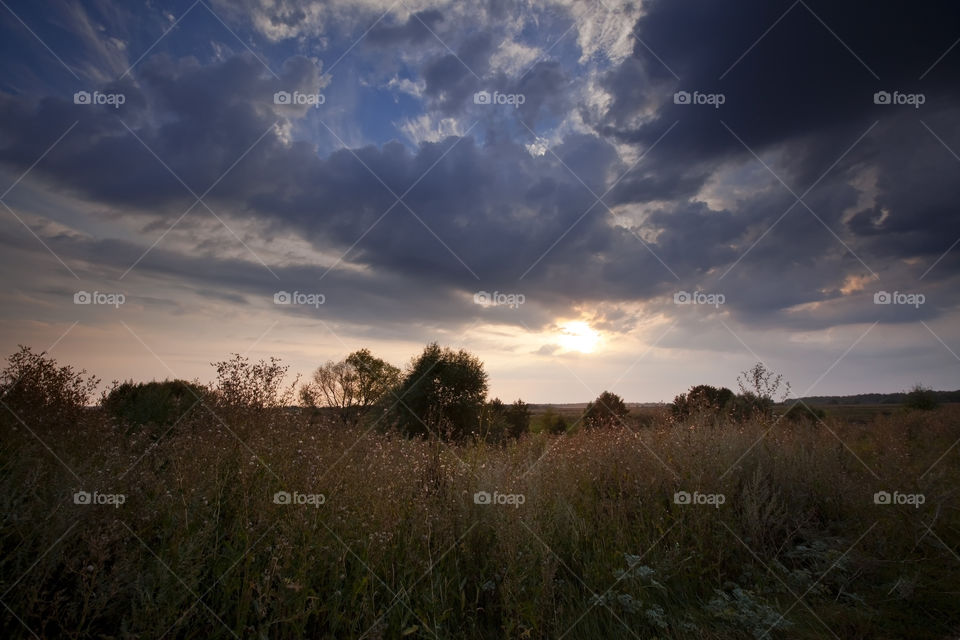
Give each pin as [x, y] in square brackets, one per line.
[598, 549]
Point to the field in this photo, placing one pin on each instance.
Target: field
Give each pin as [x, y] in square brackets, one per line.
[779, 534]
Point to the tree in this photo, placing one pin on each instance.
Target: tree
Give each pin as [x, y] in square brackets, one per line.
[442, 394]
[518, 419]
[39, 392]
[351, 386]
[702, 398]
[607, 410]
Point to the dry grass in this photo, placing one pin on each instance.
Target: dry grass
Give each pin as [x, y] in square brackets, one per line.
[598, 549]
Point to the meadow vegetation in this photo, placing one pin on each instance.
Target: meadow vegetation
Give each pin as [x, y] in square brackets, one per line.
[439, 514]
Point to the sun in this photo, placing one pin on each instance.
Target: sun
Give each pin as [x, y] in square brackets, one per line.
[578, 336]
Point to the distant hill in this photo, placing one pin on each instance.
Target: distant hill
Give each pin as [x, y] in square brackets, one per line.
[875, 398]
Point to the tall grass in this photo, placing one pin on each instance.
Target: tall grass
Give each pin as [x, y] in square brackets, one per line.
[597, 549]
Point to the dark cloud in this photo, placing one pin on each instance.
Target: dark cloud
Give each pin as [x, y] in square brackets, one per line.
[482, 212]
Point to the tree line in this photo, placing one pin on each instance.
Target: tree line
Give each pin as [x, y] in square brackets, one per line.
[441, 393]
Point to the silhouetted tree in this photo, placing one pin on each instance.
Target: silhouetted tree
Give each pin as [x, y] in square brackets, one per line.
[607, 410]
[518, 419]
[703, 398]
[441, 394]
[352, 386]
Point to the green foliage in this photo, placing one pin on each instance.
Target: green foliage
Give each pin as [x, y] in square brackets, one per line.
[518, 418]
[442, 394]
[552, 422]
[703, 399]
[39, 392]
[607, 410]
[500, 422]
[802, 413]
[921, 398]
[159, 404]
[352, 386]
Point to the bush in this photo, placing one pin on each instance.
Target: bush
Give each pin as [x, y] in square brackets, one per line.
[804, 414]
[39, 392]
[252, 386]
[703, 398]
[160, 404]
[442, 394]
[607, 410]
[759, 389]
[921, 398]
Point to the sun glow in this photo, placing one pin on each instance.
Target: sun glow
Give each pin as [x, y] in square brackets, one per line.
[578, 336]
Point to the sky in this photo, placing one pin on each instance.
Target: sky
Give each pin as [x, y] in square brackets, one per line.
[626, 196]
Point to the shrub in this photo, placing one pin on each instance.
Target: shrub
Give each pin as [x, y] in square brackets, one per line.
[153, 403]
[607, 410]
[759, 389]
[442, 394]
[804, 414]
[921, 398]
[252, 386]
[39, 392]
